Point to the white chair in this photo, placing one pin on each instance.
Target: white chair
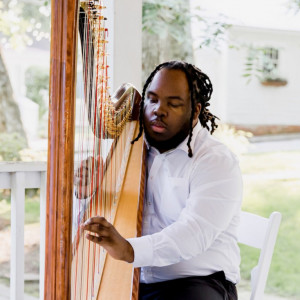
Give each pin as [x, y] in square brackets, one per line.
[261, 233]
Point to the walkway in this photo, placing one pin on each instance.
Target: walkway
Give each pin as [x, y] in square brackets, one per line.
[288, 142]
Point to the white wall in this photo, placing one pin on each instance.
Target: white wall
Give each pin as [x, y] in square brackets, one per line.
[124, 22]
[237, 102]
[212, 63]
[253, 103]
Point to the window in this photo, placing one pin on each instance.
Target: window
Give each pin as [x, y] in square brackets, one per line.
[270, 62]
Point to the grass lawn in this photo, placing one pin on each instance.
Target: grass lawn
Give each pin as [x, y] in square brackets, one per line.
[32, 205]
[262, 196]
[270, 162]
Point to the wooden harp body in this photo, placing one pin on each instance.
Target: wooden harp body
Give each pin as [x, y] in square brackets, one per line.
[120, 178]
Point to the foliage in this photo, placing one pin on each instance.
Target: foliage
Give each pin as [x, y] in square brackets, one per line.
[236, 140]
[253, 65]
[294, 5]
[165, 18]
[169, 17]
[255, 62]
[260, 65]
[22, 23]
[167, 32]
[10, 146]
[37, 86]
[212, 30]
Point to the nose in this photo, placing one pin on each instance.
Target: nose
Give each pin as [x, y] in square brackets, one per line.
[160, 109]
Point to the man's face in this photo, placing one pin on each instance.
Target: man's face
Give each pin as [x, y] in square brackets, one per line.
[167, 109]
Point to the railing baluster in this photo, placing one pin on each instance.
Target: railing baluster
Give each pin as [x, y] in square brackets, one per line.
[42, 231]
[17, 177]
[17, 236]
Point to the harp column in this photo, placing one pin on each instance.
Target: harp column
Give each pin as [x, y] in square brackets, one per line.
[64, 16]
[124, 23]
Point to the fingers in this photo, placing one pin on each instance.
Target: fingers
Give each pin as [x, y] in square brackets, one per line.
[98, 220]
[88, 168]
[104, 233]
[98, 229]
[98, 225]
[94, 238]
[86, 177]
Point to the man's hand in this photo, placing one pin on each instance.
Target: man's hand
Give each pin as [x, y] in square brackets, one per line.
[86, 179]
[109, 238]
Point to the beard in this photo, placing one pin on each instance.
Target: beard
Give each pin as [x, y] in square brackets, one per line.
[172, 142]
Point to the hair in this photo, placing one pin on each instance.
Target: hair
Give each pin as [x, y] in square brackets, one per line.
[200, 88]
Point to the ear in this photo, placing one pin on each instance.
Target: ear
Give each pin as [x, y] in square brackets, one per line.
[196, 113]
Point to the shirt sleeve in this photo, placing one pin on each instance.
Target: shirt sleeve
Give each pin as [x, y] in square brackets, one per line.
[215, 197]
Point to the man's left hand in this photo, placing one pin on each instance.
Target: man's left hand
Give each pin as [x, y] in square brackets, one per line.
[109, 238]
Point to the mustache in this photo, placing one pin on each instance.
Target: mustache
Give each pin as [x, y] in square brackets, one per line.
[157, 122]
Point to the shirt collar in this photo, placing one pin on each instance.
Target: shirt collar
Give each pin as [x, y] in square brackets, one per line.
[183, 145]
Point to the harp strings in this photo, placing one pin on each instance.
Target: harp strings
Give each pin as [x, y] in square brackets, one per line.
[92, 142]
[102, 143]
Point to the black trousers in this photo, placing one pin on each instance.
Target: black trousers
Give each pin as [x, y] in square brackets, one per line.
[212, 287]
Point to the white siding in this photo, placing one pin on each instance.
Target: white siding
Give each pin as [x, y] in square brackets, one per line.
[237, 102]
[253, 103]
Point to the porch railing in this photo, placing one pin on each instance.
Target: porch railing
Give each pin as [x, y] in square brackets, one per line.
[18, 176]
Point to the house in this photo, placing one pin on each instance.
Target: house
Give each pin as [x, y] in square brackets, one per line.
[269, 103]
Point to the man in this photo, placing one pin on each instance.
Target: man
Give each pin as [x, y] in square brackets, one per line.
[188, 248]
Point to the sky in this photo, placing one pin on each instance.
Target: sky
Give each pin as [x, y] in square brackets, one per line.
[259, 13]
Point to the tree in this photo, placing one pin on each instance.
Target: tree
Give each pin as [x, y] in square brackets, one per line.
[167, 32]
[294, 6]
[10, 120]
[20, 24]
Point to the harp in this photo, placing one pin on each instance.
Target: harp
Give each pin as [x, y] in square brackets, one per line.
[116, 280]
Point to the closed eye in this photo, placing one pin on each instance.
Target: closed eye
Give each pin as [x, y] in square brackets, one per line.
[151, 99]
[175, 104]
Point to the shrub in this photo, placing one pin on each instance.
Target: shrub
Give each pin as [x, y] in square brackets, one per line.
[10, 146]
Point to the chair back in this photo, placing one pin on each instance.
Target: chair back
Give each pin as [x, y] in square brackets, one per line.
[259, 232]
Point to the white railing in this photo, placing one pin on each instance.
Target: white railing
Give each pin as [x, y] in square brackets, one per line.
[19, 176]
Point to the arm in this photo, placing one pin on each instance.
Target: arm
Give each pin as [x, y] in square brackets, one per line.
[214, 199]
[215, 196]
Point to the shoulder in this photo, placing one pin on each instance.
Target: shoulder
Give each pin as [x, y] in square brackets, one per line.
[207, 145]
[211, 154]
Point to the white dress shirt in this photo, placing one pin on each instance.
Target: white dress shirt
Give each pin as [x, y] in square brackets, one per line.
[191, 212]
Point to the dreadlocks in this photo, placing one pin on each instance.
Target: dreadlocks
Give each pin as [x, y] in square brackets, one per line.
[200, 89]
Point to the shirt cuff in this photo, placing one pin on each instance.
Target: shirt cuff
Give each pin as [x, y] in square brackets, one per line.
[143, 251]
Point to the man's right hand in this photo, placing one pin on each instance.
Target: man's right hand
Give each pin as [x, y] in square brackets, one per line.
[86, 179]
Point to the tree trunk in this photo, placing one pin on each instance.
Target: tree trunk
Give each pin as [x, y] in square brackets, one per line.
[10, 119]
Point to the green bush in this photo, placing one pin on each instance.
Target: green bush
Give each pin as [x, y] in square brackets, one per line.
[236, 140]
[37, 86]
[10, 146]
